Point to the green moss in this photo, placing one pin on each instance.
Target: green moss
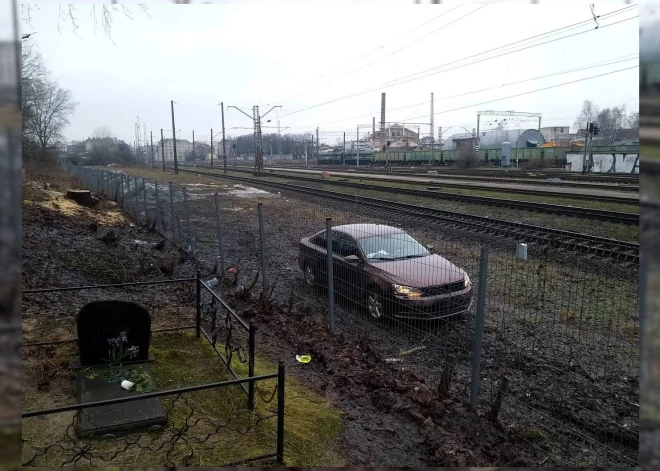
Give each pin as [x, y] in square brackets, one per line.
[312, 424]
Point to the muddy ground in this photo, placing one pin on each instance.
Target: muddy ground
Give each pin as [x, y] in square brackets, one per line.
[367, 388]
[571, 353]
[391, 418]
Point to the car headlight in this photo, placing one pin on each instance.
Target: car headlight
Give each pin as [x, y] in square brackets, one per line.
[407, 291]
[466, 282]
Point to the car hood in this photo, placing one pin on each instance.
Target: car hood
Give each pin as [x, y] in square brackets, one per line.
[431, 270]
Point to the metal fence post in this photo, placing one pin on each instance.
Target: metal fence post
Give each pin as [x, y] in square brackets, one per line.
[146, 209]
[331, 285]
[198, 318]
[158, 225]
[121, 185]
[188, 228]
[219, 229]
[479, 328]
[251, 349]
[172, 213]
[136, 205]
[264, 274]
[280, 412]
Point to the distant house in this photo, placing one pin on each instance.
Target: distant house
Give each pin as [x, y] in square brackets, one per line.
[183, 148]
[326, 149]
[555, 133]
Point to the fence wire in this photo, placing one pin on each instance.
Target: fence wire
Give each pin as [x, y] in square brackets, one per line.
[560, 350]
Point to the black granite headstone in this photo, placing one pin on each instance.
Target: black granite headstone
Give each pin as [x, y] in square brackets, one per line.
[124, 417]
[101, 320]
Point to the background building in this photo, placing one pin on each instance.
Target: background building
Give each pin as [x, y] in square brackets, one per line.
[183, 147]
[519, 138]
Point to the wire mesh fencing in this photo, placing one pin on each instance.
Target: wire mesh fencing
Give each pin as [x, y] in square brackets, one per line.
[545, 343]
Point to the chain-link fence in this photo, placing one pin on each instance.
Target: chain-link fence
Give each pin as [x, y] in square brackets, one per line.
[545, 342]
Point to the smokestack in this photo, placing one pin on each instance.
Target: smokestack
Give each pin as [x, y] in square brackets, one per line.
[432, 136]
[382, 112]
[439, 133]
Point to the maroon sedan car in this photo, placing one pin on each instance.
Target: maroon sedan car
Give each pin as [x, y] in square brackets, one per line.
[386, 270]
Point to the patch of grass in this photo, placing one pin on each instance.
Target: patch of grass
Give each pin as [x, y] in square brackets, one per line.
[312, 424]
[647, 152]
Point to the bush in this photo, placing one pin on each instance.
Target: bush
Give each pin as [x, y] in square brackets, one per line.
[468, 159]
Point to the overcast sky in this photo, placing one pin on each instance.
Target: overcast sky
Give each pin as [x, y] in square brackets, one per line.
[312, 60]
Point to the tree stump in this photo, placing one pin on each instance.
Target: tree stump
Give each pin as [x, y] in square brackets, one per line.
[82, 197]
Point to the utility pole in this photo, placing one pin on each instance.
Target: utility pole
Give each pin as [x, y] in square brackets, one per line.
[151, 137]
[224, 150]
[586, 140]
[279, 139]
[317, 145]
[193, 149]
[176, 166]
[258, 145]
[343, 152]
[162, 147]
[358, 146]
[211, 147]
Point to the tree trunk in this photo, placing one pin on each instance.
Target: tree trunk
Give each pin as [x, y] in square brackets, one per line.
[82, 197]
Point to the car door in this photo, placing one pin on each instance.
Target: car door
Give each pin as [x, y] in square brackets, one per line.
[347, 273]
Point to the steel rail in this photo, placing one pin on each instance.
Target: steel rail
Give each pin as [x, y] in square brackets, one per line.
[599, 246]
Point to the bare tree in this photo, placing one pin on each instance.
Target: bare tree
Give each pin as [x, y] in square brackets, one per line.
[633, 121]
[102, 15]
[103, 145]
[611, 120]
[46, 106]
[587, 115]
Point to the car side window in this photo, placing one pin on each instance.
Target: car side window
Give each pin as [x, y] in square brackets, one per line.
[345, 245]
[320, 240]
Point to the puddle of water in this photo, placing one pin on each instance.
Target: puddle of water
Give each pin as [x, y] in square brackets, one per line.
[243, 191]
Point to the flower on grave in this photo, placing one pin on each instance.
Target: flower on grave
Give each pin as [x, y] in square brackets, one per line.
[133, 351]
[117, 351]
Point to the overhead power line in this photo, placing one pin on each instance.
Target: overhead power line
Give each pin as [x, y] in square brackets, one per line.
[412, 76]
[396, 51]
[596, 65]
[529, 92]
[365, 54]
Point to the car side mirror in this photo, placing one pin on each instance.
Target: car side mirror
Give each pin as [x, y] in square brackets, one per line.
[352, 259]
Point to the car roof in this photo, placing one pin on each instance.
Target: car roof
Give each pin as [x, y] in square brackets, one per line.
[359, 231]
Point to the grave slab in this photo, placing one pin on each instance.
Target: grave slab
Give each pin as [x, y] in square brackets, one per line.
[116, 418]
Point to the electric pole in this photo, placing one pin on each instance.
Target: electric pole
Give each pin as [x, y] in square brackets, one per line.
[176, 166]
[224, 150]
[258, 145]
[343, 152]
[358, 146]
[317, 145]
[211, 147]
[193, 149]
[151, 137]
[162, 147]
[279, 139]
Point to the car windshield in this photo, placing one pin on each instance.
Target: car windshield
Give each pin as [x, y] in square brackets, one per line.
[392, 247]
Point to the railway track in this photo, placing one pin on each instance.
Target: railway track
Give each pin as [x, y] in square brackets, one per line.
[632, 185]
[542, 236]
[563, 210]
[512, 175]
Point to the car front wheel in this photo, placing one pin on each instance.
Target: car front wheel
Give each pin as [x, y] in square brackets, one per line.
[375, 304]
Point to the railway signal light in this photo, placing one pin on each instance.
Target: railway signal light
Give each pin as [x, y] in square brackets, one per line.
[594, 129]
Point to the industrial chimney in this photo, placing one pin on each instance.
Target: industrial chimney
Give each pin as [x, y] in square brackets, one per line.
[432, 136]
[382, 112]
